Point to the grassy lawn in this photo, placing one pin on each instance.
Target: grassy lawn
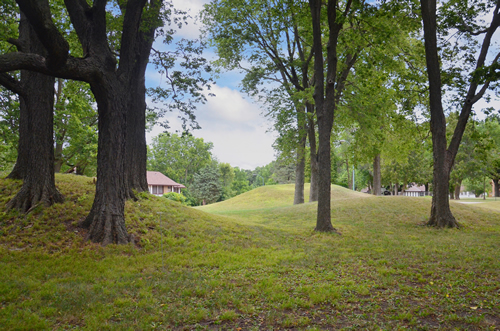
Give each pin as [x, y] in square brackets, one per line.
[250, 263]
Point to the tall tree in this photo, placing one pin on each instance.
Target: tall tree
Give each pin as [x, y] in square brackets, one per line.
[35, 162]
[206, 186]
[462, 16]
[327, 96]
[109, 84]
[268, 41]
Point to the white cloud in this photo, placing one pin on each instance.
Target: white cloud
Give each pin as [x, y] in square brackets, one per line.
[234, 125]
[191, 30]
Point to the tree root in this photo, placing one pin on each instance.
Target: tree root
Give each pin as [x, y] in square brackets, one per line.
[329, 229]
[443, 222]
[28, 198]
[106, 228]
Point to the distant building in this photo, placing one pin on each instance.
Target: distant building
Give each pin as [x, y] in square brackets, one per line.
[415, 191]
[160, 184]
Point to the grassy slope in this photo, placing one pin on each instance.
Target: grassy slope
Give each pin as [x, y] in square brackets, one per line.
[254, 262]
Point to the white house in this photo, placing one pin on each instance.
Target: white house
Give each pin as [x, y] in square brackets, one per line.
[160, 184]
[415, 191]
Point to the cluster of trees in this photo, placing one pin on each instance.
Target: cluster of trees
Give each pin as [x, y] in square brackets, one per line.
[189, 160]
[74, 69]
[350, 75]
[475, 164]
[364, 72]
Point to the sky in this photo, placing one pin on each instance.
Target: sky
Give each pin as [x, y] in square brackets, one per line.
[231, 120]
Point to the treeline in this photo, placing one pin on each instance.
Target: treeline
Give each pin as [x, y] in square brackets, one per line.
[189, 161]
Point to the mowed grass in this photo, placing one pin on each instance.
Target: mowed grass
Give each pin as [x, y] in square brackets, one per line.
[251, 263]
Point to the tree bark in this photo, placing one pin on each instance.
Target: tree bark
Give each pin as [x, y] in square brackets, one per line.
[377, 180]
[106, 220]
[325, 110]
[457, 190]
[136, 147]
[444, 157]
[441, 215]
[37, 151]
[301, 157]
[311, 132]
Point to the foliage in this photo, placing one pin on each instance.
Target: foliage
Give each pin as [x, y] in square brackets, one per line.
[240, 183]
[477, 185]
[268, 42]
[75, 127]
[472, 155]
[179, 157]
[226, 174]
[9, 128]
[177, 197]
[183, 68]
[206, 186]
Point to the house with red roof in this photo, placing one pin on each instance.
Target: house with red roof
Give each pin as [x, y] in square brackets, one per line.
[160, 184]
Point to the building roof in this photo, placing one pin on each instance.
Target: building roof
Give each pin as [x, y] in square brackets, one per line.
[416, 188]
[157, 178]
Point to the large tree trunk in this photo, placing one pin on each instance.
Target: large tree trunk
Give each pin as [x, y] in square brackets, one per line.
[325, 107]
[311, 131]
[136, 147]
[444, 157]
[106, 220]
[441, 215]
[301, 158]
[39, 182]
[377, 178]
[324, 223]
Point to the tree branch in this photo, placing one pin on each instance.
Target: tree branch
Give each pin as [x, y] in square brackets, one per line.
[39, 16]
[130, 35]
[77, 10]
[11, 84]
[18, 43]
[75, 68]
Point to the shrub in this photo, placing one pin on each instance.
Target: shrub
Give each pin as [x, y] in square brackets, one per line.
[175, 197]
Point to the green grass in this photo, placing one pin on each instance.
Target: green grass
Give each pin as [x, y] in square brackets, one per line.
[252, 262]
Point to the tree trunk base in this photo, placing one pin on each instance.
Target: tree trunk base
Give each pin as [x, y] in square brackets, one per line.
[106, 228]
[447, 221]
[16, 173]
[327, 229]
[130, 195]
[29, 198]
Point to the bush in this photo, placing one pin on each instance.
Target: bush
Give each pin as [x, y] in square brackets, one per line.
[175, 197]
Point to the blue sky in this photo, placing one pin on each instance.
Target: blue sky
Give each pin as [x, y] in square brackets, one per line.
[231, 120]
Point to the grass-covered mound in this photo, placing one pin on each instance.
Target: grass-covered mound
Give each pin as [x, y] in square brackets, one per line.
[258, 266]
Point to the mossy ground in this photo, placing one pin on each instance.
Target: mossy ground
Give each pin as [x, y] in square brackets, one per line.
[252, 263]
